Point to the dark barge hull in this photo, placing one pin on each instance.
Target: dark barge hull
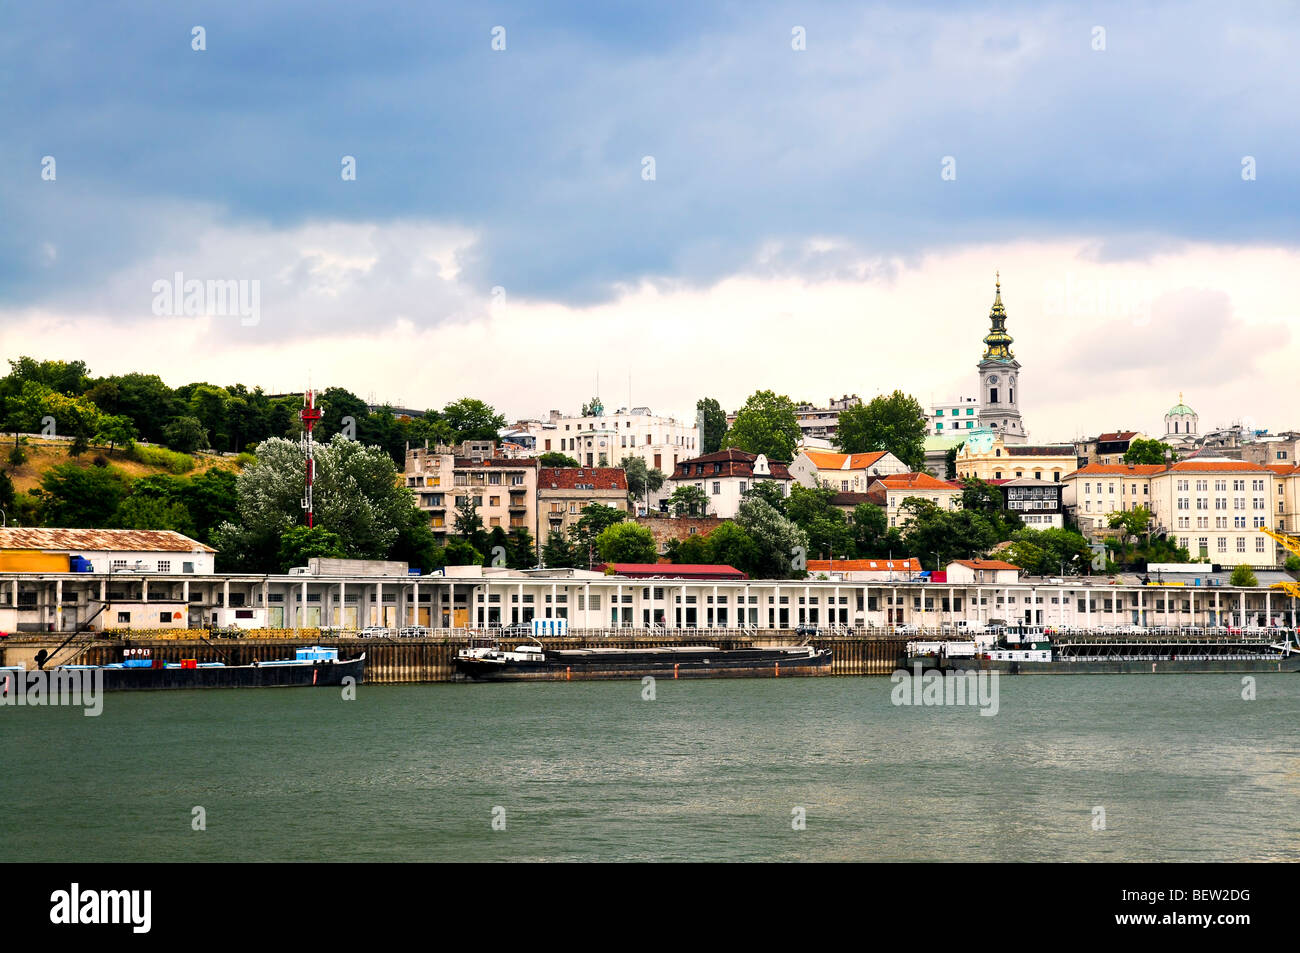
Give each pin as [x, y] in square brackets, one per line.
[1112, 666]
[730, 663]
[323, 673]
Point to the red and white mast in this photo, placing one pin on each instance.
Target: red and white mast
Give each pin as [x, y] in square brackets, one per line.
[309, 415]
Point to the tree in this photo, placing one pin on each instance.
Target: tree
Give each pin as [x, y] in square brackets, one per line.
[459, 552]
[868, 528]
[627, 542]
[521, 551]
[767, 424]
[81, 498]
[713, 424]
[770, 492]
[6, 491]
[595, 519]
[895, 423]
[1133, 523]
[185, 435]
[781, 546]
[693, 550]
[25, 409]
[472, 419]
[986, 499]
[1048, 552]
[115, 430]
[641, 479]
[357, 497]
[299, 544]
[1292, 564]
[953, 535]
[1243, 575]
[469, 525]
[556, 459]
[497, 551]
[828, 531]
[558, 552]
[1143, 451]
[730, 545]
[688, 499]
[950, 462]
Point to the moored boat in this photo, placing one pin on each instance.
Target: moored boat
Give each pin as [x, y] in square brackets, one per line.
[534, 662]
[311, 666]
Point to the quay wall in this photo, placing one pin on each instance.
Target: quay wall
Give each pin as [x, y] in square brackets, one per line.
[414, 660]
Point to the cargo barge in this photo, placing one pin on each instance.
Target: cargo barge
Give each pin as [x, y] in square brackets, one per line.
[1044, 653]
[532, 662]
[313, 666]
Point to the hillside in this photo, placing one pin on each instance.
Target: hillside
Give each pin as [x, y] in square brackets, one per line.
[43, 453]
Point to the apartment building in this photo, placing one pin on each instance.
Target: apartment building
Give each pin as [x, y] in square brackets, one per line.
[602, 440]
[726, 476]
[890, 492]
[1215, 508]
[843, 472]
[1092, 493]
[953, 417]
[986, 456]
[563, 492]
[503, 489]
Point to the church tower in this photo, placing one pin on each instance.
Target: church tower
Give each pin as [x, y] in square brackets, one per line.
[1000, 378]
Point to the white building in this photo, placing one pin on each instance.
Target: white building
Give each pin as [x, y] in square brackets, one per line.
[952, 417]
[602, 440]
[843, 472]
[114, 550]
[725, 477]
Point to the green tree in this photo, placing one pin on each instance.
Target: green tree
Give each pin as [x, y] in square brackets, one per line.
[730, 545]
[767, 424]
[894, 423]
[869, 528]
[460, 552]
[299, 544]
[693, 550]
[1048, 552]
[595, 519]
[770, 492]
[1292, 564]
[468, 523]
[781, 546]
[81, 498]
[1143, 451]
[688, 500]
[641, 479]
[185, 435]
[829, 534]
[1243, 575]
[953, 535]
[556, 459]
[627, 542]
[713, 420]
[521, 550]
[115, 430]
[472, 419]
[986, 499]
[558, 552]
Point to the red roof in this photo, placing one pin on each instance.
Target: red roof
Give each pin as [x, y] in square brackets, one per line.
[915, 481]
[1217, 466]
[1119, 469]
[576, 478]
[729, 463]
[985, 564]
[906, 564]
[826, 460]
[1118, 435]
[1282, 469]
[673, 570]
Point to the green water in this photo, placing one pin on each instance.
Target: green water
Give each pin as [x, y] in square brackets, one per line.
[1184, 768]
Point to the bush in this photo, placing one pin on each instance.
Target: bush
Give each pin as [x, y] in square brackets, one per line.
[17, 457]
[1292, 563]
[158, 457]
[245, 460]
[1243, 575]
[100, 460]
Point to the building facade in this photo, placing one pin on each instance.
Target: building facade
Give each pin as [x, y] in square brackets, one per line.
[726, 476]
[503, 489]
[1038, 503]
[953, 417]
[843, 472]
[602, 440]
[1092, 493]
[562, 492]
[1216, 508]
[986, 456]
[891, 492]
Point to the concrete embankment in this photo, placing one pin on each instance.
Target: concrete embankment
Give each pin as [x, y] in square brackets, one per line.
[390, 660]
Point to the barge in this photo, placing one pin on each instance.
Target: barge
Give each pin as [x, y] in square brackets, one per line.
[313, 666]
[1045, 653]
[533, 662]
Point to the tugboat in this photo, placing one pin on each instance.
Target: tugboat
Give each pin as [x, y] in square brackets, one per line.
[316, 665]
[535, 662]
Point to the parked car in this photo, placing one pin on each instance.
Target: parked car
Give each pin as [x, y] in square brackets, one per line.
[415, 632]
[375, 632]
[810, 630]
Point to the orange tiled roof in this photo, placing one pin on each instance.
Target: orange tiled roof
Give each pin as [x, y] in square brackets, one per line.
[915, 481]
[986, 564]
[824, 460]
[1217, 466]
[1119, 469]
[864, 565]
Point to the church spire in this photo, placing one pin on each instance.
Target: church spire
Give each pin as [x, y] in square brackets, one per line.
[997, 343]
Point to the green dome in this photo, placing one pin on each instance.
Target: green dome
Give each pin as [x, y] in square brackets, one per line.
[1180, 408]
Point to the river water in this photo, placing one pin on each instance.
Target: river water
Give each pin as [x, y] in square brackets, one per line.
[1116, 768]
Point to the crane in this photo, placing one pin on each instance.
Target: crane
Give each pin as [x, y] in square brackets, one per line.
[1292, 545]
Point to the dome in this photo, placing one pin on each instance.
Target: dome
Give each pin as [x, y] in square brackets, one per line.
[1179, 409]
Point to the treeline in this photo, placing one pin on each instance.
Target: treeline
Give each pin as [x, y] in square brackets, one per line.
[115, 411]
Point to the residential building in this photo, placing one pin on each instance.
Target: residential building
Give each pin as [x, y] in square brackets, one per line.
[1215, 509]
[865, 570]
[999, 409]
[890, 492]
[843, 472]
[953, 417]
[1281, 449]
[503, 489]
[562, 492]
[726, 476]
[1037, 502]
[981, 572]
[1092, 493]
[602, 440]
[986, 456]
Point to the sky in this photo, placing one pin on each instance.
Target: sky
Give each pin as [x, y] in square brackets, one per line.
[673, 200]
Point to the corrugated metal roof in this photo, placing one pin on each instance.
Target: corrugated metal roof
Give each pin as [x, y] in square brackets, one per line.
[100, 540]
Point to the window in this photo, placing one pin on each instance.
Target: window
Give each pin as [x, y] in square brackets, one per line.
[1259, 545]
[165, 618]
[117, 564]
[717, 487]
[1223, 544]
[1241, 544]
[164, 565]
[124, 618]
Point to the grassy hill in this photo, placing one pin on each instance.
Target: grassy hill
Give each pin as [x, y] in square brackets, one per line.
[43, 454]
